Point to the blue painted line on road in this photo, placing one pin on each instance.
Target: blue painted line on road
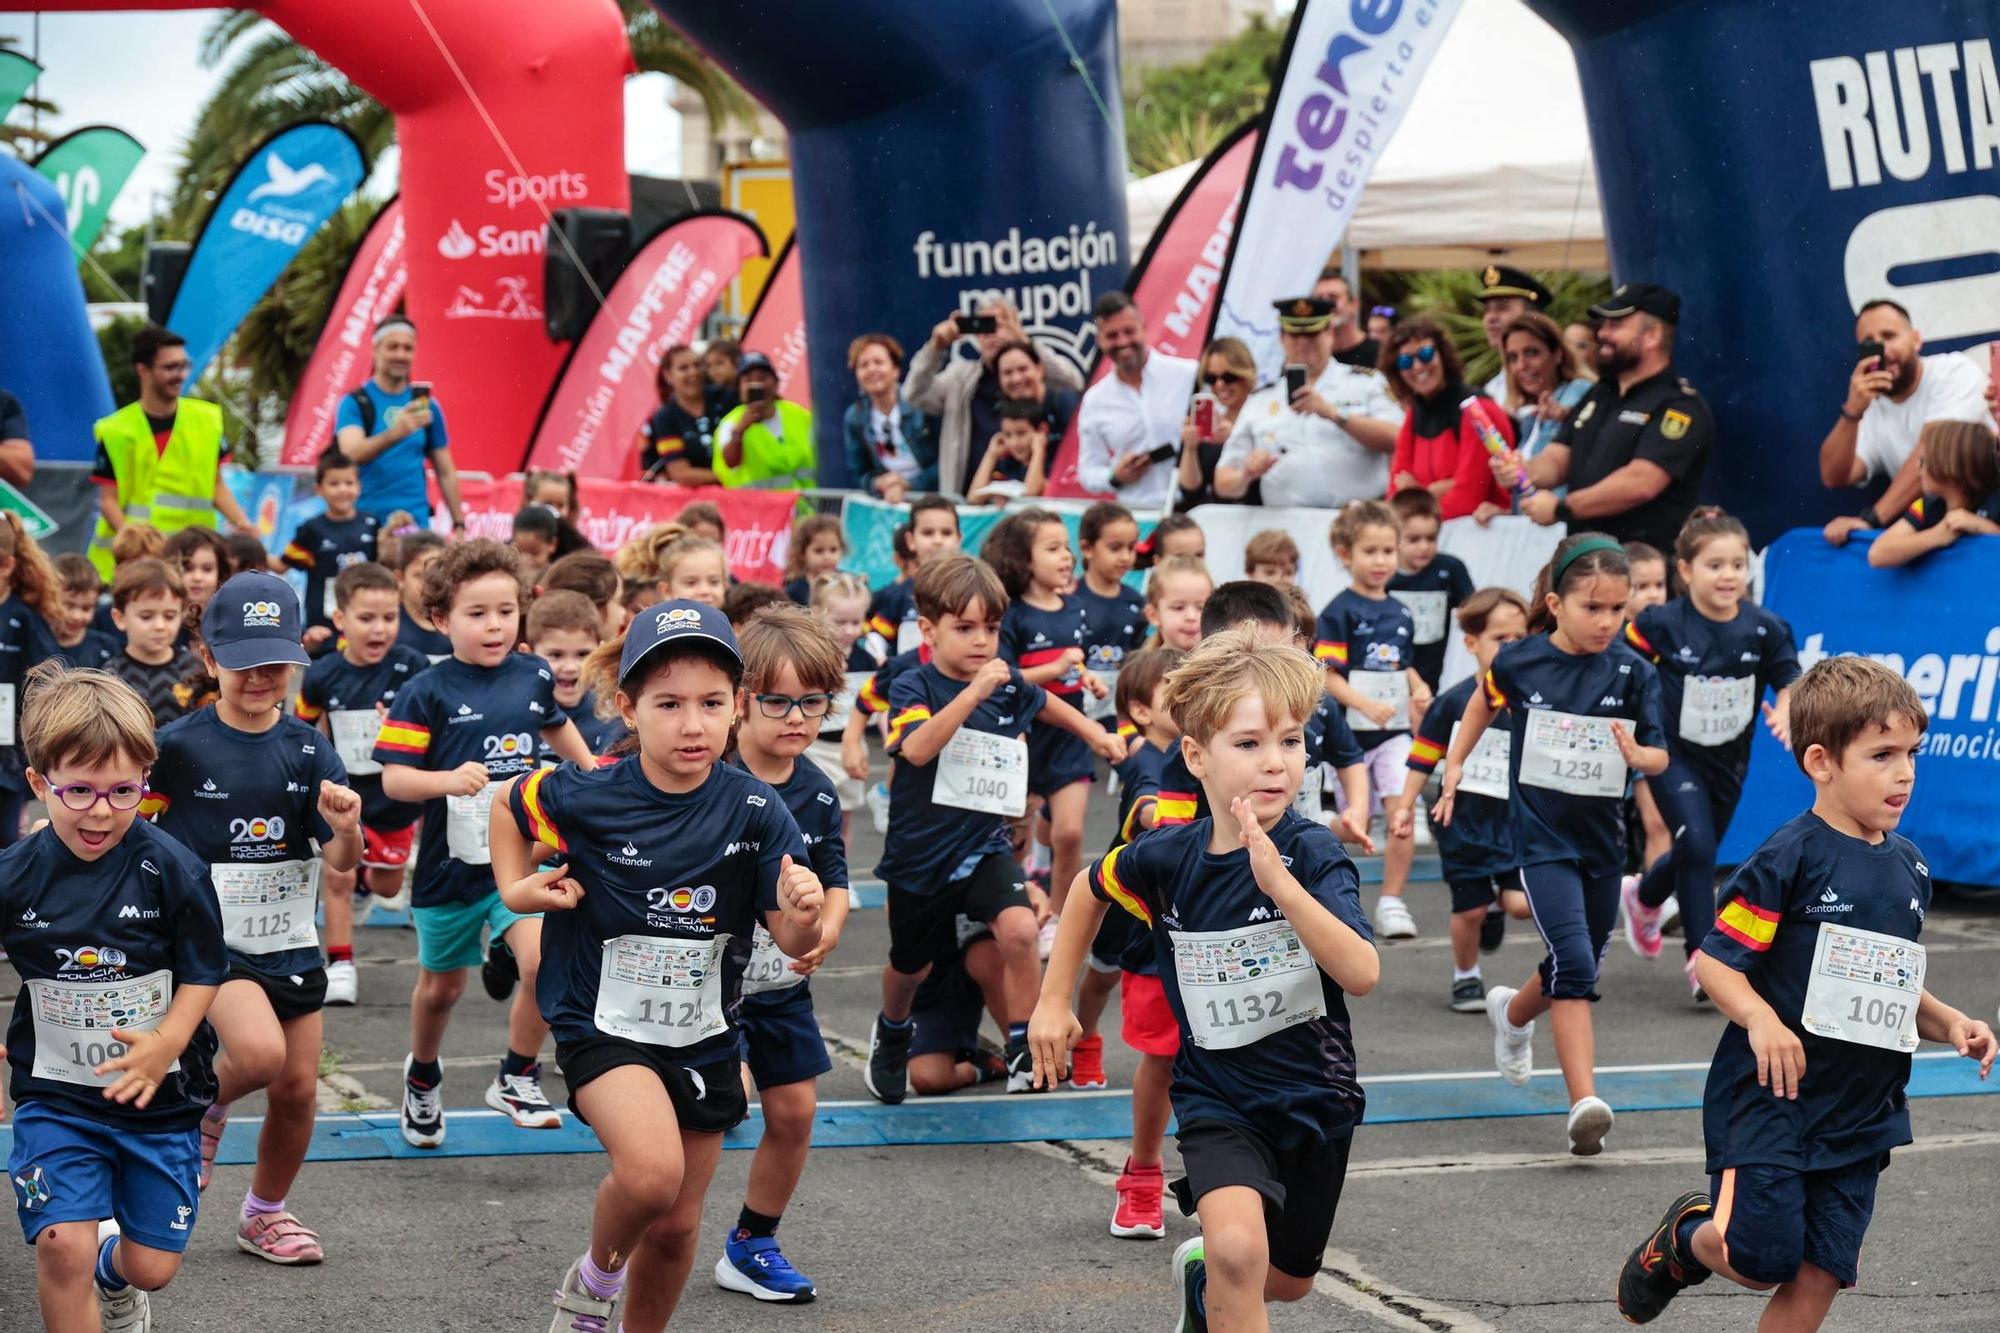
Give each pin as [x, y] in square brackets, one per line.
[997, 1119]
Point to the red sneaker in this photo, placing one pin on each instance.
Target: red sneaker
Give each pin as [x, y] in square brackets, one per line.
[1138, 1215]
[1086, 1063]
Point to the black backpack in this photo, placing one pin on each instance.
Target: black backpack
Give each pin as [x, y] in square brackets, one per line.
[366, 407]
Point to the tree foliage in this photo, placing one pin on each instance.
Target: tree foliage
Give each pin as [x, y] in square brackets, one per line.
[20, 130]
[1451, 297]
[1177, 114]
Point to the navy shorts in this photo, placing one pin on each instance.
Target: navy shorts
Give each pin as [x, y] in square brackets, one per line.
[1301, 1186]
[923, 927]
[293, 996]
[1056, 759]
[1471, 892]
[69, 1169]
[948, 1011]
[1773, 1218]
[778, 1035]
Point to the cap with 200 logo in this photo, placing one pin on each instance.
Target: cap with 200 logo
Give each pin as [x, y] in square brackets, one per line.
[253, 620]
[675, 622]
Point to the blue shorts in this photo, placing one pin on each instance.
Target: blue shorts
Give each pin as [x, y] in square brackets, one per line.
[448, 936]
[1772, 1218]
[68, 1169]
[778, 1035]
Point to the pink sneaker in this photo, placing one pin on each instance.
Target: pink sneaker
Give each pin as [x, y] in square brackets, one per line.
[212, 1125]
[279, 1237]
[1642, 923]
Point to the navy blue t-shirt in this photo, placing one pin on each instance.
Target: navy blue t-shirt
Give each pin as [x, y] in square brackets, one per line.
[1479, 841]
[1851, 1105]
[93, 650]
[927, 841]
[144, 906]
[1182, 800]
[432, 643]
[1032, 636]
[691, 866]
[1356, 633]
[25, 640]
[1533, 675]
[1113, 627]
[458, 713]
[1139, 775]
[1328, 737]
[322, 547]
[1432, 594]
[1749, 654]
[1297, 1085]
[873, 697]
[890, 612]
[248, 799]
[814, 805]
[332, 684]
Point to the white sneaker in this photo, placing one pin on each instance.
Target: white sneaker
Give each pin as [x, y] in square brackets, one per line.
[341, 984]
[1513, 1048]
[520, 1097]
[1047, 941]
[364, 906]
[1393, 920]
[877, 801]
[398, 902]
[1670, 912]
[127, 1311]
[423, 1112]
[1589, 1121]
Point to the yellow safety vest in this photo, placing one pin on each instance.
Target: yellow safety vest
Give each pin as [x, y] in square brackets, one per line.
[171, 491]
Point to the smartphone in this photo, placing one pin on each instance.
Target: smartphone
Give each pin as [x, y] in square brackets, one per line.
[976, 324]
[1870, 349]
[757, 393]
[421, 389]
[1162, 452]
[1295, 380]
[1204, 415]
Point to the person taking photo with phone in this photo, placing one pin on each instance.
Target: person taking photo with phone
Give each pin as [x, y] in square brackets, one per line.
[1129, 426]
[962, 395]
[391, 427]
[767, 441]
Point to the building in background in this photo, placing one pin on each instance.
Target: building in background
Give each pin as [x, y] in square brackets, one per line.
[1153, 33]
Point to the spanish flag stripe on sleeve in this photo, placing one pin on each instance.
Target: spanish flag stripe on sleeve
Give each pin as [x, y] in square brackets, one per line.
[1174, 807]
[904, 719]
[1752, 927]
[1915, 513]
[870, 698]
[404, 737]
[1132, 827]
[1327, 651]
[1107, 875]
[153, 803]
[1424, 754]
[1638, 640]
[1496, 698]
[538, 818]
[669, 445]
[306, 711]
[297, 556]
[880, 624]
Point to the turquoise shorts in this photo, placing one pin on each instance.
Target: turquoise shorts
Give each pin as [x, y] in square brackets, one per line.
[448, 937]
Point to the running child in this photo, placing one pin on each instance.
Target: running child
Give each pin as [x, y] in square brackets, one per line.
[840, 601]
[1643, 821]
[663, 861]
[1114, 615]
[597, 578]
[1330, 744]
[959, 776]
[1265, 1090]
[77, 642]
[1272, 557]
[329, 542]
[416, 552]
[675, 562]
[111, 1059]
[345, 694]
[932, 531]
[452, 731]
[1805, 1097]
[791, 673]
[1716, 654]
[250, 792]
[818, 547]
[1958, 470]
[564, 629]
[947, 1050]
[1580, 708]
[148, 604]
[1176, 591]
[1477, 850]
[1433, 585]
[1365, 639]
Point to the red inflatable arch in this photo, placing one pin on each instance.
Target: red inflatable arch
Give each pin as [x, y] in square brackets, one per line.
[550, 74]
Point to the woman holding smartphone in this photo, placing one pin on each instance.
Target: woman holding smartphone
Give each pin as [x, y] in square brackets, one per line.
[1228, 374]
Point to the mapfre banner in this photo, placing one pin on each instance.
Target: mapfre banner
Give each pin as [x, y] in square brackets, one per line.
[1350, 71]
[344, 355]
[759, 523]
[607, 390]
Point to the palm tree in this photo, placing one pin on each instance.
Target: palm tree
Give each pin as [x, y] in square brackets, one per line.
[1451, 297]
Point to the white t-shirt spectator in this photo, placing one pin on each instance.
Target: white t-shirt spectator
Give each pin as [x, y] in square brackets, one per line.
[1117, 419]
[1320, 466]
[1953, 388]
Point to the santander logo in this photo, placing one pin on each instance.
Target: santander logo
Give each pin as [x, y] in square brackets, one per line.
[456, 243]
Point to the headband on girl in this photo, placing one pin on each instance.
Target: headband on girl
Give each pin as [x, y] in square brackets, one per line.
[1582, 548]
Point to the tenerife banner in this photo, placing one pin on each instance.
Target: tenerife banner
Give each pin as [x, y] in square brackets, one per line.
[777, 328]
[17, 75]
[284, 192]
[608, 387]
[1176, 279]
[1350, 70]
[343, 357]
[89, 167]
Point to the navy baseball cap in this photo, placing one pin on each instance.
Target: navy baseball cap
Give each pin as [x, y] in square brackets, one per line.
[754, 361]
[253, 620]
[678, 621]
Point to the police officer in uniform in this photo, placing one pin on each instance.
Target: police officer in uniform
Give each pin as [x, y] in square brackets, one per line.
[1634, 451]
[1323, 446]
[1505, 294]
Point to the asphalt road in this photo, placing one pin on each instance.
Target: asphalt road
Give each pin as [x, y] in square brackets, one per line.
[1445, 1224]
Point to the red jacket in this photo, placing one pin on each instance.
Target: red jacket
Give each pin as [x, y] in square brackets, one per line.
[1435, 444]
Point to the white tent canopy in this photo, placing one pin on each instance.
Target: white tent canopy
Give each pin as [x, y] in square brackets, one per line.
[1492, 159]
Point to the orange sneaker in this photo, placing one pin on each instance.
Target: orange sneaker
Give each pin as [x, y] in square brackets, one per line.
[1086, 1063]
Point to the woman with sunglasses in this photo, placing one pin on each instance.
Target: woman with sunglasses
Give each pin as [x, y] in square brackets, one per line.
[678, 443]
[1542, 376]
[1228, 374]
[1439, 446]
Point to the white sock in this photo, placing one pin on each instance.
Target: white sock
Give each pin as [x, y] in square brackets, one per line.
[1461, 973]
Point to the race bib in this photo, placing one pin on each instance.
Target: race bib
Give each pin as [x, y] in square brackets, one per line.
[467, 832]
[1571, 754]
[1864, 988]
[268, 908]
[1103, 710]
[1390, 687]
[770, 967]
[73, 1023]
[1716, 709]
[980, 771]
[836, 717]
[1485, 770]
[7, 696]
[909, 635]
[1241, 986]
[354, 732]
[1430, 612]
[662, 992]
[1309, 803]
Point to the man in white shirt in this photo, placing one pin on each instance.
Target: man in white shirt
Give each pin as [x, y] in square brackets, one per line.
[1325, 445]
[1129, 427]
[1889, 398]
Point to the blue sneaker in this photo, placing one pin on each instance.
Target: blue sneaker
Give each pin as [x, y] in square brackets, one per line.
[755, 1266]
[1191, 1281]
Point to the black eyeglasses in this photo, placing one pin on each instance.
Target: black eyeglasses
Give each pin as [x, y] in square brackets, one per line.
[1426, 354]
[781, 705]
[83, 796]
[1222, 377]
